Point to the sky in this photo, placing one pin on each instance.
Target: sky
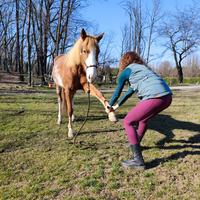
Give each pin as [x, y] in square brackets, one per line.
[110, 17]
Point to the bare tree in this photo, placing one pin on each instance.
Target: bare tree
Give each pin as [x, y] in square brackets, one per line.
[6, 25]
[106, 57]
[29, 6]
[139, 35]
[125, 45]
[134, 30]
[58, 31]
[32, 31]
[192, 67]
[164, 69]
[181, 32]
[154, 17]
[18, 66]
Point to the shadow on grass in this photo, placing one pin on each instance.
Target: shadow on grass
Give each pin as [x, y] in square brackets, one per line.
[165, 125]
[156, 162]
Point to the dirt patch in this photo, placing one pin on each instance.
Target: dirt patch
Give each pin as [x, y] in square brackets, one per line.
[6, 77]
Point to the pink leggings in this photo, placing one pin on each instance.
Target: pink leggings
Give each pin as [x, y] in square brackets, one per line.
[140, 115]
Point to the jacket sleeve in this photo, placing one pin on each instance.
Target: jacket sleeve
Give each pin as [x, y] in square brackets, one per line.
[128, 94]
[124, 76]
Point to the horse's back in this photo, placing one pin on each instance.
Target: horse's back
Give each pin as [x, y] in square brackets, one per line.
[58, 59]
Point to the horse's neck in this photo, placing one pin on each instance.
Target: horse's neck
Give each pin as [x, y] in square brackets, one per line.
[74, 54]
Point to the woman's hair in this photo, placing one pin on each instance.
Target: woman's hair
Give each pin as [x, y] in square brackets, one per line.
[129, 58]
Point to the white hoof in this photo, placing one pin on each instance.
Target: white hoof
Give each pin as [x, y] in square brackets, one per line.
[73, 118]
[112, 117]
[59, 122]
[70, 133]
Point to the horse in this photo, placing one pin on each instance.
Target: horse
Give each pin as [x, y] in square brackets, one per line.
[75, 70]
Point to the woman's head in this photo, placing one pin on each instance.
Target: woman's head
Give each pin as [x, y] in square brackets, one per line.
[129, 58]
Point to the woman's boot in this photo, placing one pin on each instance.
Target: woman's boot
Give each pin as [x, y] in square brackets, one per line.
[137, 161]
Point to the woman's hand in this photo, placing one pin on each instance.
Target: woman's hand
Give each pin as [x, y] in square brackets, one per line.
[110, 111]
[115, 107]
[111, 108]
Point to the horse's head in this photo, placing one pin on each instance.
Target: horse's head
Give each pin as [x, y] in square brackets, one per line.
[89, 54]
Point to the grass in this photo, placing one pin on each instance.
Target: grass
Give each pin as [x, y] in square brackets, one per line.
[37, 161]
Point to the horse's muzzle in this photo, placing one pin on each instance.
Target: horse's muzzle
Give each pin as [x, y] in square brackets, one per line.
[91, 73]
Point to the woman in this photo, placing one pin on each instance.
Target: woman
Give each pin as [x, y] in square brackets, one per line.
[154, 94]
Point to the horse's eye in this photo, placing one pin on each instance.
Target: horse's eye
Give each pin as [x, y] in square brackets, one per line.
[84, 51]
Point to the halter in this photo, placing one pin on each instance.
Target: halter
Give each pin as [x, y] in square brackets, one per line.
[95, 66]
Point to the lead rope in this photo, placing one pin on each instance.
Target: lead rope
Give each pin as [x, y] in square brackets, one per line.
[88, 110]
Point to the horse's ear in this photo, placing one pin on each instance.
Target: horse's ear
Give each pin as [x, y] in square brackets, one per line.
[83, 34]
[99, 37]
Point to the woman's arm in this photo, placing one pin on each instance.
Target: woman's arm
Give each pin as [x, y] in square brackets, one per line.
[128, 94]
[123, 77]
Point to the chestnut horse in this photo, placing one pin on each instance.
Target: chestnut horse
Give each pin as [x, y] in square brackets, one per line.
[73, 71]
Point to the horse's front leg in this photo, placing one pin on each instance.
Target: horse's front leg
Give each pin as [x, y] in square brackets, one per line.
[96, 93]
[69, 97]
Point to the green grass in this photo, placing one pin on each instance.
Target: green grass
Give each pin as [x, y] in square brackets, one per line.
[37, 161]
[186, 80]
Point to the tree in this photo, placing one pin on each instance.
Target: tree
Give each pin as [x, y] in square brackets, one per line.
[192, 67]
[7, 35]
[29, 6]
[182, 36]
[18, 66]
[140, 32]
[154, 18]
[164, 69]
[134, 30]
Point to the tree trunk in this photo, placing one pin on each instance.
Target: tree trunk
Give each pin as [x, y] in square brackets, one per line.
[69, 12]
[178, 64]
[17, 55]
[29, 43]
[58, 34]
[180, 70]
[180, 73]
[36, 45]
[41, 52]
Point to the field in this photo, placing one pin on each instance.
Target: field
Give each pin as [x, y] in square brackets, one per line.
[37, 161]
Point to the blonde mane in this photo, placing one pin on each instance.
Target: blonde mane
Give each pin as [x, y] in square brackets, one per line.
[72, 57]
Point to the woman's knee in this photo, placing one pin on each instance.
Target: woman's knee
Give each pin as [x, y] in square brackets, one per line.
[127, 122]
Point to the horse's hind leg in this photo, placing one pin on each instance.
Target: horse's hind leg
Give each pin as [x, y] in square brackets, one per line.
[73, 118]
[60, 102]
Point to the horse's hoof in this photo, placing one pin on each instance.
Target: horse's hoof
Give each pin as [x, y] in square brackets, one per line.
[112, 117]
[70, 134]
[59, 121]
[73, 118]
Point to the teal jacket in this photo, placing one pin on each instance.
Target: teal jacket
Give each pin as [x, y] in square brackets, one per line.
[143, 81]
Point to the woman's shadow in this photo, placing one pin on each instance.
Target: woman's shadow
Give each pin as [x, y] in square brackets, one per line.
[165, 125]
